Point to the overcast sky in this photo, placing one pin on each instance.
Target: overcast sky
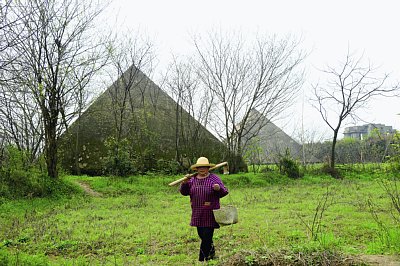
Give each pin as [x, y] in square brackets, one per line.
[328, 29]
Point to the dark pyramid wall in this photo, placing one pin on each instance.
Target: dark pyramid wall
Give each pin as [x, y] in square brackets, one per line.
[151, 124]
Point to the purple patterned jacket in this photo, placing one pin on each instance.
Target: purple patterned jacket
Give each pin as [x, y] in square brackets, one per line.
[204, 199]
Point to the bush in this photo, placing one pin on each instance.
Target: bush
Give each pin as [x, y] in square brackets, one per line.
[21, 179]
[394, 159]
[327, 169]
[19, 183]
[168, 167]
[288, 166]
[119, 160]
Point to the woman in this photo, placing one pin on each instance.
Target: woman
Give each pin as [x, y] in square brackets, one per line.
[205, 189]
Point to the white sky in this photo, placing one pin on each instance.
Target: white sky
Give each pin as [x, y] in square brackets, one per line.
[328, 29]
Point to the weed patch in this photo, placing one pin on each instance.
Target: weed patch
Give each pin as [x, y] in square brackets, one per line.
[140, 220]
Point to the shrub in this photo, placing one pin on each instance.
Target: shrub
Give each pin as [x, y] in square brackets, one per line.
[288, 166]
[21, 179]
[20, 183]
[119, 161]
[170, 167]
[327, 169]
[394, 159]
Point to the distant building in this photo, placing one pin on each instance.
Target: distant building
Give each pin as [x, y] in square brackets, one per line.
[360, 132]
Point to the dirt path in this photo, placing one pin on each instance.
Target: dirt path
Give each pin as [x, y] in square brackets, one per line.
[384, 260]
[88, 189]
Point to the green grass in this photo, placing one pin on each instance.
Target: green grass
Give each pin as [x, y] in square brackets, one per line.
[142, 221]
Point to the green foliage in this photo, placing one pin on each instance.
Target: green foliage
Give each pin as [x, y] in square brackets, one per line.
[315, 227]
[388, 237]
[394, 159]
[18, 180]
[348, 150]
[334, 172]
[119, 161]
[253, 154]
[374, 148]
[169, 167]
[19, 183]
[262, 168]
[9, 258]
[122, 161]
[289, 166]
[13, 158]
[140, 220]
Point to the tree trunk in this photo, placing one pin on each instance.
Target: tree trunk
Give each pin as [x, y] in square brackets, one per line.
[50, 124]
[332, 163]
[236, 164]
[77, 168]
[51, 151]
[177, 133]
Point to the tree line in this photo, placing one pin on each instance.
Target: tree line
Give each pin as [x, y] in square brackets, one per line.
[53, 60]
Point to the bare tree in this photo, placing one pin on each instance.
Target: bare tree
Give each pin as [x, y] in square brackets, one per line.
[309, 139]
[6, 21]
[21, 123]
[81, 98]
[131, 57]
[53, 40]
[263, 76]
[184, 87]
[132, 61]
[349, 87]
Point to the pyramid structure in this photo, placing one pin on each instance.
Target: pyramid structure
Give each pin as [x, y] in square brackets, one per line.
[268, 140]
[161, 129]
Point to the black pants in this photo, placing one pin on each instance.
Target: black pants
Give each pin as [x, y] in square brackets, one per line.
[207, 250]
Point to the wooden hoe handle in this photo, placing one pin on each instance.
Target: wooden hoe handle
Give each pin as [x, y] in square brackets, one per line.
[192, 175]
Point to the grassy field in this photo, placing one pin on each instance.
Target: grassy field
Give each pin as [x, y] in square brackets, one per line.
[142, 221]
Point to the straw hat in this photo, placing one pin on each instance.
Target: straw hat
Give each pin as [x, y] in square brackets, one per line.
[202, 161]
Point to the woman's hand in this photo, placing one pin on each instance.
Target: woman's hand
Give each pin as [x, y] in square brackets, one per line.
[216, 187]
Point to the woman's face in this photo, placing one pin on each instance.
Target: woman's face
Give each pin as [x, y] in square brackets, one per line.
[203, 170]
